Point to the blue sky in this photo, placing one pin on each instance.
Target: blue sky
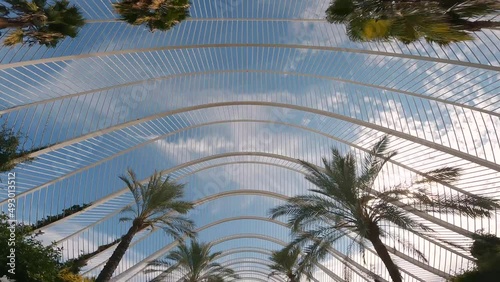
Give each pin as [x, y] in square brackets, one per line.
[118, 88]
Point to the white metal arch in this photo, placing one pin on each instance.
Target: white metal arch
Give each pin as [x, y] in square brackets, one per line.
[470, 67]
[294, 46]
[334, 252]
[140, 266]
[414, 139]
[223, 155]
[299, 74]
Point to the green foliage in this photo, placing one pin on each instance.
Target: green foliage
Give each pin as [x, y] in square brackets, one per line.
[441, 21]
[9, 149]
[66, 275]
[486, 249]
[39, 22]
[33, 261]
[196, 262]
[155, 14]
[65, 212]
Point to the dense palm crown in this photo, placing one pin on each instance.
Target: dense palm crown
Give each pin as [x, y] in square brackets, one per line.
[345, 201]
[37, 22]
[195, 262]
[155, 14]
[157, 204]
[440, 21]
[287, 262]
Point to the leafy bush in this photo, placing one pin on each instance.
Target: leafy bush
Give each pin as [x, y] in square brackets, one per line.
[33, 261]
[65, 275]
[486, 249]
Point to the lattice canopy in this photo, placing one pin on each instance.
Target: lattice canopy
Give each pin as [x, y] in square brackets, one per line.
[227, 102]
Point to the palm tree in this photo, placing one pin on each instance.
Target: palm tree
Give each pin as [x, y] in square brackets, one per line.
[37, 22]
[157, 204]
[196, 262]
[440, 21]
[287, 262]
[345, 200]
[155, 14]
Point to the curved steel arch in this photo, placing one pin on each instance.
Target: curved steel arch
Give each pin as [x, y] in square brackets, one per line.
[456, 60]
[165, 249]
[300, 74]
[271, 194]
[426, 143]
[267, 252]
[236, 264]
[150, 141]
[419, 264]
[392, 250]
[335, 253]
[245, 192]
[448, 226]
[259, 269]
[423, 215]
[222, 19]
[253, 278]
[454, 228]
[332, 251]
[238, 250]
[262, 263]
[262, 45]
[432, 219]
[424, 237]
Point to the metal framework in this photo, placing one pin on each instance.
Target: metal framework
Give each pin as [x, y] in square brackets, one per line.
[228, 101]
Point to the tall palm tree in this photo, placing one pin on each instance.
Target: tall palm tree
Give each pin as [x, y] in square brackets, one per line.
[38, 22]
[440, 21]
[196, 262]
[345, 200]
[287, 262]
[155, 14]
[157, 204]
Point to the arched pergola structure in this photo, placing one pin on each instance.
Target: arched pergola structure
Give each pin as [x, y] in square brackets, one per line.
[227, 102]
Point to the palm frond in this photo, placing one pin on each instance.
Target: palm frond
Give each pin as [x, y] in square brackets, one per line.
[469, 205]
[399, 217]
[307, 209]
[175, 226]
[373, 163]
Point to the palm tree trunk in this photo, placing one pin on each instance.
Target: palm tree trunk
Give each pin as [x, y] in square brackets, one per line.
[82, 260]
[116, 257]
[386, 258]
[4, 23]
[10, 22]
